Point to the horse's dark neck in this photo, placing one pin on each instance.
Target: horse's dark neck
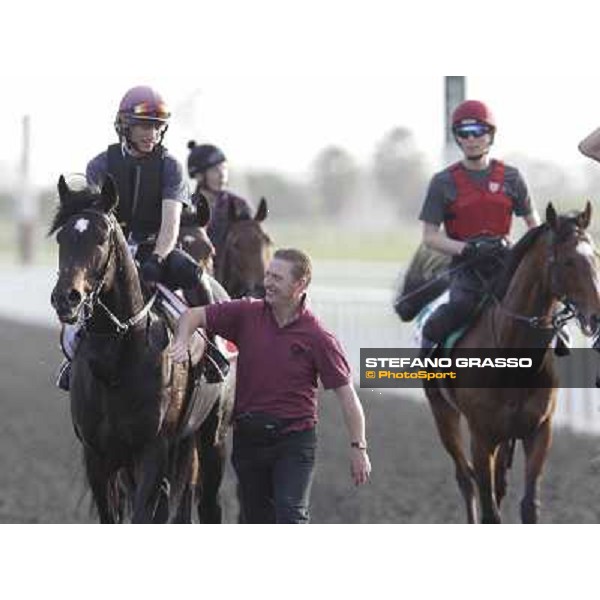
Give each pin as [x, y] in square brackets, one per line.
[529, 295]
[123, 295]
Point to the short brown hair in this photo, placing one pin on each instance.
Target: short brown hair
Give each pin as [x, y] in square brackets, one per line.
[301, 263]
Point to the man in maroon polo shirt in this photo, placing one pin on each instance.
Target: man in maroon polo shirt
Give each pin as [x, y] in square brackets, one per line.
[283, 350]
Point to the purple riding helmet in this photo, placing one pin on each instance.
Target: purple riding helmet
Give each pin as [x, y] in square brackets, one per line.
[141, 103]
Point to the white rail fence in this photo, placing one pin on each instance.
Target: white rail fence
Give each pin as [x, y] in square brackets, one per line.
[360, 316]
[365, 319]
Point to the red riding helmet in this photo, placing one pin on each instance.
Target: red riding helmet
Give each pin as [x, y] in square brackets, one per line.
[473, 110]
[141, 103]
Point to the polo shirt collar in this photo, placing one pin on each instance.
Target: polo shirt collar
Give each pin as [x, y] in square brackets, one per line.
[303, 308]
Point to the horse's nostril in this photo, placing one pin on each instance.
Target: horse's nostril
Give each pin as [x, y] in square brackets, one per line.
[74, 297]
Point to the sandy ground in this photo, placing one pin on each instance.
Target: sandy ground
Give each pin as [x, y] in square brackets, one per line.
[41, 478]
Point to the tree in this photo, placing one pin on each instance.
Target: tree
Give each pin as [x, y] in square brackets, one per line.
[285, 198]
[335, 176]
[399, 170]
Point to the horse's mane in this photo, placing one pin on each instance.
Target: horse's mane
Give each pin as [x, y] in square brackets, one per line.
[517, 252]
[73, 204]
[566, 225]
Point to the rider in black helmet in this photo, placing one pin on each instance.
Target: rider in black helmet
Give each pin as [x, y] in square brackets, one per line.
[207, 165]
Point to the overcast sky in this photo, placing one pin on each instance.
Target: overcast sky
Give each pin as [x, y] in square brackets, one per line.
[274, 82]
[281, 122]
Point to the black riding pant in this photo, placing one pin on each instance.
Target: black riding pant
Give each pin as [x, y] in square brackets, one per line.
[275, 478]
[181, 271]
[467, 289]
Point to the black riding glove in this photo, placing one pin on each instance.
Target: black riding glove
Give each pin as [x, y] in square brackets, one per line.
[481, 247]
[152, 269]
[471, 251]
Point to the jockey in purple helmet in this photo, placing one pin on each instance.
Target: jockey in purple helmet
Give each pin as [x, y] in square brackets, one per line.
[151, 192]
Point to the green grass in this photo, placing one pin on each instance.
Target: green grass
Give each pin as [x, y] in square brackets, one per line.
[44, 248]
[331, 242]
[322, 242]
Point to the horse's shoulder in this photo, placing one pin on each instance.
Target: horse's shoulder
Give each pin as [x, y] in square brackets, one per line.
[159, 332]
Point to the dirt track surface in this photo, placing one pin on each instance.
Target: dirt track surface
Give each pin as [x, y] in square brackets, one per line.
[41, 478]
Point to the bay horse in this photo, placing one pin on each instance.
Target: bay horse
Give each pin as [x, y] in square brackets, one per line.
[241, 264]
[555, 262]
[192, 234]
[128, 398]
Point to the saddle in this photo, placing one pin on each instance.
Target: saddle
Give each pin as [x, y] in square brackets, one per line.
[205, 394]
[562, 340]
[424, 281]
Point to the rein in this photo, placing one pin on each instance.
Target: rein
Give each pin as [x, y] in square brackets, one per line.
[93, 299]
[558, 319]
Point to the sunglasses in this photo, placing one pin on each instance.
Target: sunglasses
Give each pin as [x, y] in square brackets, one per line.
[465, 132]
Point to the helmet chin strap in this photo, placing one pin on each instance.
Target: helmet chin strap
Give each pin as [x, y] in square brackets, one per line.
[479, 156]
[129, 145]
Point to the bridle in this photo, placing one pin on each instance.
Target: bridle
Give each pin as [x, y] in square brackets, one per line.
[560, 317]
[93, 299]
[224, 268]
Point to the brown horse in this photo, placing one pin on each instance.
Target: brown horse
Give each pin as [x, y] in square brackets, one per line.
[241, 265]
[128, 399]
[193, 237]
[553, 262]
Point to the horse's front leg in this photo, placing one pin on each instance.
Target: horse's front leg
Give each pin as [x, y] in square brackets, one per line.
[99, 478]
[212, 455]
[151, 502]
[447, 420]
[536, 449]
[503, 460]
[484, 456]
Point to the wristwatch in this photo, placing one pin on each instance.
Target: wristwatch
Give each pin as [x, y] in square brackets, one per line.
[358, 445]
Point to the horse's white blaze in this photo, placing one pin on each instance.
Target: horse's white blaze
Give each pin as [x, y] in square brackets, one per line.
[81, 225]
[585, 249]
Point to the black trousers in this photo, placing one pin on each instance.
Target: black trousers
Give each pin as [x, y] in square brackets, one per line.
[275, 479]
[467, 290]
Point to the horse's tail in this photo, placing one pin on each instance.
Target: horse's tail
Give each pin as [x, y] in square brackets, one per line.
[425, 279]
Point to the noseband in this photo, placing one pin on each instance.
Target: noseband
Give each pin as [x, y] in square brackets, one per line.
[560, 317]
[93, 300]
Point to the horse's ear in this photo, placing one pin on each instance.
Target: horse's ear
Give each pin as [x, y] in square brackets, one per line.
[262, 211]
[551, 216]
[202, 209]
[584, 218]
[109, 193]
[63, 188]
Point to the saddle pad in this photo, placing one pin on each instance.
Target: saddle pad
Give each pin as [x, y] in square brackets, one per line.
[69, 339]
[424, 314]
[456, 335]
[177, 306]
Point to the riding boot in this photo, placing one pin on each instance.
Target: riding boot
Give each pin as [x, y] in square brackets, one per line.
[428, 348]
[63, 379]
[563, 342]
[596, 344]
[216, 365]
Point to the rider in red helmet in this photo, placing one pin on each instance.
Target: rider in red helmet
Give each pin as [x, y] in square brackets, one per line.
[590, 145]
[473, 200]
[151, 195]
